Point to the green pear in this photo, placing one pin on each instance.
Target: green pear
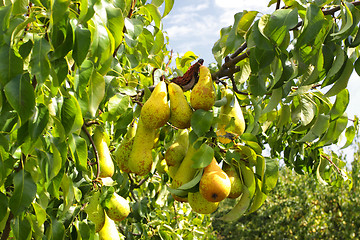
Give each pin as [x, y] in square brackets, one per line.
[180, 110]
[200, 205]
[172, 170]
[161, 166]
[202, 95]
[141, 160]
[122, 152]
[177, 151]
[109, 230]
[236, 183]
[230, 110]
[118, 208]
[105, 161]
[95, 211]
[185, 172]
[155, 111]
[214, 184]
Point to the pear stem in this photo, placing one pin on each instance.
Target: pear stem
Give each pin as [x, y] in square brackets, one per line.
[95, 150]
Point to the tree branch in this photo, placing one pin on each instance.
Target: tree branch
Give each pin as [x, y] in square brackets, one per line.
[5, 234]
[95, 150]
[332, 163]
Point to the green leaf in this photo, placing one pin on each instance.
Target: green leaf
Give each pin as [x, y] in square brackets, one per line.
[71, 117]
[201, 121]
[86, 231]
[168, 6]
[118, 104]
[59, 8]
[257, 85]
[347, 22]
[56, 230]
[81, 45]
[96, 92]
[82, 79]
[350, 135]
[343, 80]
[245, 22]
[275, 99]
[155, 14]
[39, 63]
[158, 43]
[11, 64]
[3, 205]
[340, 105]
[40, 213]
[39, 122]
[203, 156]
[79, 150]
[22, 228]
[320, 126]
[115, 23]
[20, 6]
[20, 94]
[24, 192]
[271, 175]
[305, 111]
[335, 129]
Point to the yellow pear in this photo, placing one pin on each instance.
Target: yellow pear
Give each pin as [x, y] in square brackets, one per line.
[177, 151]
[156, 112]
[105, 162]
[185, 172]
[202, 95]
[215, 184]
[180, 110]
[95, 211]
[141, 160]
[122, 152]
[200, 205]
[230, 110]
[109, 230]
[236, 183]
[118, 208]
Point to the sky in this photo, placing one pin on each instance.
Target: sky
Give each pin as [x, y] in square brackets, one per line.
[195, 26]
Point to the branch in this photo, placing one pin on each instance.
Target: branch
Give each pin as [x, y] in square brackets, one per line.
[95, 150]
[332, 163]
[278, 4]
[5, 234]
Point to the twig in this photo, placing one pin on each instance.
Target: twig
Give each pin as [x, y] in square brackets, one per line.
[235, 87]
[132, 183]
[278, 4]
[239, 50]
[89, 123]
[332, 163]
[5, 234]
[95, 150]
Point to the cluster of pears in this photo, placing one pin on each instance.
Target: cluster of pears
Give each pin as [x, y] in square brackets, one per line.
[116, 209]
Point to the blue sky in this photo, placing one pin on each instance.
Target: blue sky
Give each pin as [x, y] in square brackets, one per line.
[195, 26]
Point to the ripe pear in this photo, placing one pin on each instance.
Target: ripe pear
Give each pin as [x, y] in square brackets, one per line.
[185, 172]
[180, 110]
[177, 151]
[141, 160]
[95, 211]
[230, 110]
[122, 152]
[215, 184]
[105, 162]
[156, 112]
[109, 230]
[202, 95]
[200, 205]
[236, 183]
[118, 208]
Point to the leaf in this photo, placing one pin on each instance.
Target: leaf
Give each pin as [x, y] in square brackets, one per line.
[168, 6]
[340, 105]
[82, 78]
[155, 14]
[20, 7]
[201, 121]
[20, 95]
[158, 43]
[71, 117]
[115, 24]
[333, 132]
[3, 204]
[118, 104]
[305, 111]
[11, 65]
[320, 170]
[56, 231]
[24, 192]
[271, 175]
[39, 122]
[276, 97]
[79, 150]
[40, 214]
[240, 208]
[320, 126]
[81, 45]
[350, 135]
[203, 156]
[58, 10]
[347, 22]
[257, 85]
[22, 228]
[343, 80]
[245, 22]
[96, 92]
[39, 63]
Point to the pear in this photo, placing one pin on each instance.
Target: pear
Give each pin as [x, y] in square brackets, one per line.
[161, 166]
[177, 151]
[109, 230]
[230, 110]
[122, 152]
[202, 95]
[156, 112]
[105, 162]
[214, 184]
[180, 110]
[200, 205]
[172, 170]
[118, 208]
[141, 160]
[95, 211]
[236, 183]
[185, 172]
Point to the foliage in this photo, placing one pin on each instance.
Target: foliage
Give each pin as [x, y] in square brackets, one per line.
[70, 65]
[301, 208]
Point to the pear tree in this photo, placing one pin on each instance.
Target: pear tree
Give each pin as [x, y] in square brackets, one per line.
[106, 134]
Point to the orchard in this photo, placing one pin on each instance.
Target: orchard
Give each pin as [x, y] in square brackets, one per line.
[105, 133]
